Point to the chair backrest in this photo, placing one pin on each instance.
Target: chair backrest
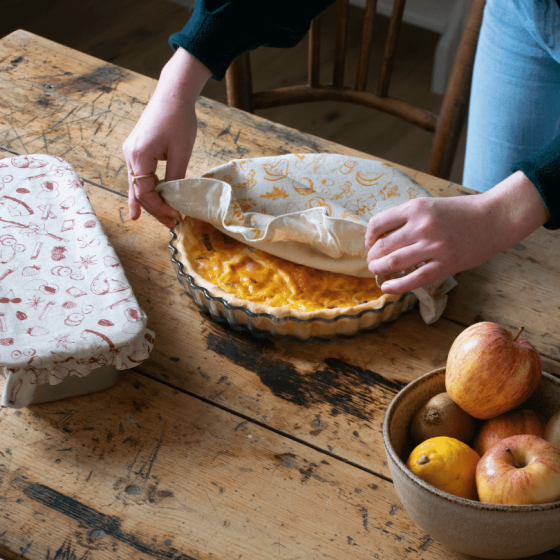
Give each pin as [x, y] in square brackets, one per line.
[446, 126]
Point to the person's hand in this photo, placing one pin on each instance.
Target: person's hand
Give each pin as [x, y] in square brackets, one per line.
[165, 131]
[451, 234]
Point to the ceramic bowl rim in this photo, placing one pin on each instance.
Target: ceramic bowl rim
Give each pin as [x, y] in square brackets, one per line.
[428, 487]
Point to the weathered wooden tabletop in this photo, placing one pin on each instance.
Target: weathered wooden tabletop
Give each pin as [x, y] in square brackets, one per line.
[222, 445]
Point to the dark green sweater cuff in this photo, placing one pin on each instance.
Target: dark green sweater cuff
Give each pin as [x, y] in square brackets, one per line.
[221, 30]
[542, 168]
[214, 40]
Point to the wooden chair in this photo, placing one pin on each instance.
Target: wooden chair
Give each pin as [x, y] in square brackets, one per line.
[447, 126]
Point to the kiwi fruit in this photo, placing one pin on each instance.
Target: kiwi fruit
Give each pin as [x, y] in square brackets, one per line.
[552, 430]
[441, 416]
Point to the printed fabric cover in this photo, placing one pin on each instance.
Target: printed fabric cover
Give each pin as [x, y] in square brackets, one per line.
[66, 307]
[312, 209]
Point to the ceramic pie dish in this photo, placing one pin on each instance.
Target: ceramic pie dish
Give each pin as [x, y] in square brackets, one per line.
[354, 306]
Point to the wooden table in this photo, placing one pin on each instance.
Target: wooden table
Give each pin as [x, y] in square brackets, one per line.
[220, 445]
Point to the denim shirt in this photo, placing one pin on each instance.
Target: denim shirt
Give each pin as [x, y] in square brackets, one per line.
[542, 20]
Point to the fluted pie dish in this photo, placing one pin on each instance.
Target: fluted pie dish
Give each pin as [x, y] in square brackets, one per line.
[271, 297]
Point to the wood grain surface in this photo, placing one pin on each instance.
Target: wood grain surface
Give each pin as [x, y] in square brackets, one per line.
[143, 471]
[221, 445]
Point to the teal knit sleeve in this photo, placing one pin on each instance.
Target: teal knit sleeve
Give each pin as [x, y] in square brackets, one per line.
[221, 30]
[542, 168]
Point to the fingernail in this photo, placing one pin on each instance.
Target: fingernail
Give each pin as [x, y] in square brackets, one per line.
[387, 285]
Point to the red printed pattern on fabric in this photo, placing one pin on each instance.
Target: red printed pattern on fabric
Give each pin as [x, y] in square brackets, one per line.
[66, 306]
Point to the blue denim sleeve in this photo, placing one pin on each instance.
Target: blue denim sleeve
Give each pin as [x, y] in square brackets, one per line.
[542, 168]
[221, 30]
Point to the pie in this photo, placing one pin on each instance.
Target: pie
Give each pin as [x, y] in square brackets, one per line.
[263, 288]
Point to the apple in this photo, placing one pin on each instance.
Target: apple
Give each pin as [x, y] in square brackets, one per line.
[521, 469]
[511, 423]
[491, 370]
[551, 430]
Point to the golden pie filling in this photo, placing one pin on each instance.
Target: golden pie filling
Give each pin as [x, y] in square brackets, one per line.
[256, 276]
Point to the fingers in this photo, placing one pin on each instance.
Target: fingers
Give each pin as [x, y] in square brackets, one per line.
[395, 245]
[396, 261]
[398, 251]
[383, 223]
[400, 237]
[423, 275]
[134, 208]
[154, 204]
[141, 194]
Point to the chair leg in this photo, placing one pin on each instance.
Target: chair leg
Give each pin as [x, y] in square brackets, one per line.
[454, 108]
[239, 85]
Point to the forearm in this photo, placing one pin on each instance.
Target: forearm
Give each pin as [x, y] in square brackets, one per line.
[183, 77]
[513, 210]
[543, 170]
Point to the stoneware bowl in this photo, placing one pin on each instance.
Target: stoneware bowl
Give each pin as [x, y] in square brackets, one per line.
[467, 526]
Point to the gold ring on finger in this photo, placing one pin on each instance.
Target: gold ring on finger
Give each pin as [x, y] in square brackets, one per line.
[145, 176]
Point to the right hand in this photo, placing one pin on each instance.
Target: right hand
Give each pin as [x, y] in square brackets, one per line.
[166, 131]
[451, 234]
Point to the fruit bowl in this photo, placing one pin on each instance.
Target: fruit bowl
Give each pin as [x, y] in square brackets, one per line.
[467, 526]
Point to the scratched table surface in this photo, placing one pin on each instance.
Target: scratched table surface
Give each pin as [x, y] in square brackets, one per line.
[220, 445]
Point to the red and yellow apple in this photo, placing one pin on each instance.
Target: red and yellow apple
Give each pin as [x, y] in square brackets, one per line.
[511, 423]
[491, 370]
[522, 469]
[552, 430]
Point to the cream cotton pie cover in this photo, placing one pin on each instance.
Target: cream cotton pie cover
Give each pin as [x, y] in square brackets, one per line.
[66, 307]
[312, 209]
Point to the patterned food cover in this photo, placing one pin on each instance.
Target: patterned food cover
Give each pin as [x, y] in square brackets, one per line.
[312, 209]
[66, 307]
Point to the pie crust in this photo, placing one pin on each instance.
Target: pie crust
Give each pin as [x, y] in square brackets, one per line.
[270, 296]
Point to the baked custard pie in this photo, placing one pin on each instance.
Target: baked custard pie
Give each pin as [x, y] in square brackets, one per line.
[268, 295]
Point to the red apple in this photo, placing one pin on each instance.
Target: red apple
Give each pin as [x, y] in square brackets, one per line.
[491, 370]
[522, 469]
[551, 430]
[511, 423]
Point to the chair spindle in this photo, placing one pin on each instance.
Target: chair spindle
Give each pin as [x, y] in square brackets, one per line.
[314, 57]
[239, 84]
[390, 48]
[365, 45]
[455, 104]
[340, 42]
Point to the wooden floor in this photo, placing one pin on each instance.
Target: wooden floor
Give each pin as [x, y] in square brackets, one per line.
[134, 34]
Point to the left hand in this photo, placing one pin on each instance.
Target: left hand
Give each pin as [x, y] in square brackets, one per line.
[451, 234]
[446, 234]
